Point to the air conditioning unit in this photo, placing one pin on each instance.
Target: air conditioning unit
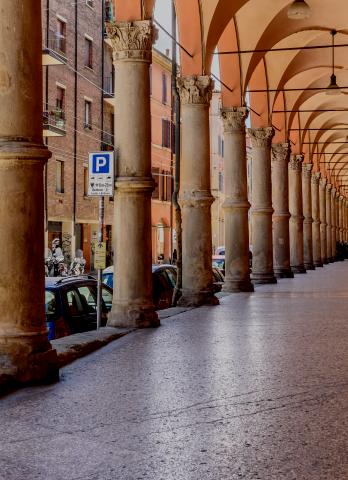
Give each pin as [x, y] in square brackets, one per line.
[90, 3]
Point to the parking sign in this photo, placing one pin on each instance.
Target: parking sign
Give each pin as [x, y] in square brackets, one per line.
[101, 174]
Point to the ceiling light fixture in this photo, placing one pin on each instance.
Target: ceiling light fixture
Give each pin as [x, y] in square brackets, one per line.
[299, 10]
[333, 88]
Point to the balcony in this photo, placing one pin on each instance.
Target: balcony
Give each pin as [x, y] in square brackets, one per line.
[54, 50]
[108, 141]
[54, 123]
[109, 93]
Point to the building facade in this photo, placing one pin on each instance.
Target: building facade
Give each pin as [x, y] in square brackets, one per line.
[78, 84]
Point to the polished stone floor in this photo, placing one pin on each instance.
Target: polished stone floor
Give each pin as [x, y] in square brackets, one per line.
[256, 388]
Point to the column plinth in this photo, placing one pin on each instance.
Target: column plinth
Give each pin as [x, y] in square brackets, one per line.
[307, 213]
[328, 224]
[133, 296]
[195, 196]
[236, 205]
[262, 210]
[26, 355]
[316, 220]
[281, 215]
[296, 211]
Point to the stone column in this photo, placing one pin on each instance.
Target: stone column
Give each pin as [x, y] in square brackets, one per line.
[328, 223]
[296, 211]
[340, 218]
[322, 202]
[316, 220]
[307, 213]
[333, 224]
[236, 205]
[281, 215]
[337, 213]
[133, 300]
[195, 197]
[262, 270]
[26, 356]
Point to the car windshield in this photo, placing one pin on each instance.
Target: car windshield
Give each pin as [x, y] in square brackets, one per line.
[219, 263]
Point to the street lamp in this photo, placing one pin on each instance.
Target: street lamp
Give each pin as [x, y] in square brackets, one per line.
[299, 10]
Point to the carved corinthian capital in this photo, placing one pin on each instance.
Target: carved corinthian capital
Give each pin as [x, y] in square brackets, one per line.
[296, 162]
[132, 40]
[280, 152]
[234, 118]
[195, 89]
[328, 187]
[261, 137]
[316, 177]
[307, 170]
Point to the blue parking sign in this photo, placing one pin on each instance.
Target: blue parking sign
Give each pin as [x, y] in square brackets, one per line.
[101, 174]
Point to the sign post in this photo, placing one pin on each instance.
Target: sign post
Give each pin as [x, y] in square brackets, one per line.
[100, 184]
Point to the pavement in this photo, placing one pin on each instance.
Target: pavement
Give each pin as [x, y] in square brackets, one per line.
[255, 388]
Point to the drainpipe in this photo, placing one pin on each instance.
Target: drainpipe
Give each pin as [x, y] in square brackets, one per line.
[176, 206]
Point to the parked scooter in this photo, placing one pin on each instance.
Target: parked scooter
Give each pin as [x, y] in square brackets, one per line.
[77, 266]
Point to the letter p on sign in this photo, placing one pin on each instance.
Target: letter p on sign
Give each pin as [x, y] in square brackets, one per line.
[101, 164]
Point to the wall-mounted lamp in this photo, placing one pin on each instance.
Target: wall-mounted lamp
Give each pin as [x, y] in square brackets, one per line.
[299, 10]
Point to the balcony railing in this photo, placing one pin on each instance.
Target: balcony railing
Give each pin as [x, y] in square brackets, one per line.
[54, 49]
[108, 141]
[53, 122]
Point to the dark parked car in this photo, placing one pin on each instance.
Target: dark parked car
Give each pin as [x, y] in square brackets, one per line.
[71, 305]
[164, 281]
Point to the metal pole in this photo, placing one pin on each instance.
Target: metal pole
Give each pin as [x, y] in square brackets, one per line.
[100, 271]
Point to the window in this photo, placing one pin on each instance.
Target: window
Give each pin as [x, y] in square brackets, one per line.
[164, 88]
[88, 114]
[59, 176]
[166, 133]
[85, 181]
[107, 298]
[61, 36]
[221, 182]
[88, 298]
[60, 98]
[155, 174]
[88, 53]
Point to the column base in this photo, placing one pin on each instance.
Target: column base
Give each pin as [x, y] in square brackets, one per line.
[298, 269]
[309, 266]
[325, 262]
[235, 286]
[318, 264]
[27, 360]
[197, 299]
[263, 278]
[133, 316]
[284, 273]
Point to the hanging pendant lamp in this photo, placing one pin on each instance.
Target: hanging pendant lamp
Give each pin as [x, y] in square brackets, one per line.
[299, 10]
[333, 88]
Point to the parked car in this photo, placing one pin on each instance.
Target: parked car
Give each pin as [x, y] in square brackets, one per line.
[218, 279]
[71, 305]
[219, 262]
[164, 281]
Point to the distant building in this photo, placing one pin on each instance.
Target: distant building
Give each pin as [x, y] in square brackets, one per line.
[78, 118]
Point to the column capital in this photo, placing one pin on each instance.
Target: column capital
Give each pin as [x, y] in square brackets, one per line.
[296, 162]
[132, 41]
[316, 178]
[328, 187]
[307, 170]
[280, 152]
[234, 118]
[195, 89]
[333, 191]
[261, 137]
[323, 182]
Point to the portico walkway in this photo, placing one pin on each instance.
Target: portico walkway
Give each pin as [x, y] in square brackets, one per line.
[256, 388]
